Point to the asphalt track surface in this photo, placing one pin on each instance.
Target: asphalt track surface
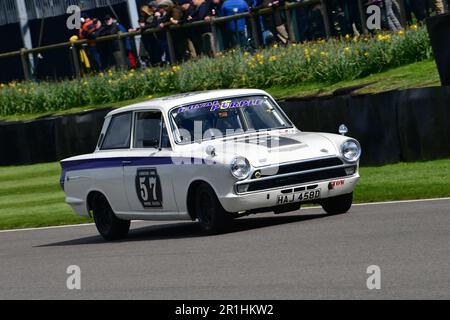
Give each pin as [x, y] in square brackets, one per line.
[305, 255]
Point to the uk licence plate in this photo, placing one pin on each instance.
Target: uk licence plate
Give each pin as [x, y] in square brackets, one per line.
[298, 197]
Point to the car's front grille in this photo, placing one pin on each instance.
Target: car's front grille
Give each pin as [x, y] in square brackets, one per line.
[299, 166]
[299, 178]
[296, 173]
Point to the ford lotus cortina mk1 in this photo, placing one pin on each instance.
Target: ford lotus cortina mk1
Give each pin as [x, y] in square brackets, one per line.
[208, 156]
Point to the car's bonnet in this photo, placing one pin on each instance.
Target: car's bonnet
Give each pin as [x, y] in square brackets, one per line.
[272, 148]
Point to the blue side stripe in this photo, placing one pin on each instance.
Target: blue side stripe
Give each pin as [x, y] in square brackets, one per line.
[101, 163]
[118, 162]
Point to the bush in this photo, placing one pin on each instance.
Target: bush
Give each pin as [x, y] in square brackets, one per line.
[322, 61]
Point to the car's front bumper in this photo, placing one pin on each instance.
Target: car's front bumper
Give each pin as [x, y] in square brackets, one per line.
[233, 202]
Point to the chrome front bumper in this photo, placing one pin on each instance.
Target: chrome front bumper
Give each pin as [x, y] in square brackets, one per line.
[234, 202]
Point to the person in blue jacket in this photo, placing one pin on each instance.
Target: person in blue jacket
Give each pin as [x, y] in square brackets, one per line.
[236, 31]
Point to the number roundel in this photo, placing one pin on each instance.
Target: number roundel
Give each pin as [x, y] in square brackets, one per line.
[148, 188]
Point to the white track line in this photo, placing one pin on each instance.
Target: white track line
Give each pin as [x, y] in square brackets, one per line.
[386, 202]
[400, 201]
[53, 227]
[315, 207]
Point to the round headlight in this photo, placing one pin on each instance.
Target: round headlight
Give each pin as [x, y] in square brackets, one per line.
[240, 167]
[351, 150]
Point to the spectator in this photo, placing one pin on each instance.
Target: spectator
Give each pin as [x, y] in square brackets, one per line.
[85, 64]
[149, 18]
[215, 7]
[188, 9]
[235, 31]
[111, 52]
[88, 30]
[172, 14]
[129, 48]
[272, 23]
[204, 42]
[191, 33]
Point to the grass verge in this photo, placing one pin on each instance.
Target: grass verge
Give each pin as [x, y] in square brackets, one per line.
[30, 196]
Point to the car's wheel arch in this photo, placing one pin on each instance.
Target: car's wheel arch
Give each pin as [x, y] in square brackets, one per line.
[190, 196]
[90, 199]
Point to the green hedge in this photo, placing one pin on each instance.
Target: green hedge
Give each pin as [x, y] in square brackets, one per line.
[321, 61]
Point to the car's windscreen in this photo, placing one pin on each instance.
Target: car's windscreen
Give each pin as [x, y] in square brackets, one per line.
[225, 117]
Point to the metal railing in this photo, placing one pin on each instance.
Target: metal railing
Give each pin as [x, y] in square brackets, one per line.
[213, 23]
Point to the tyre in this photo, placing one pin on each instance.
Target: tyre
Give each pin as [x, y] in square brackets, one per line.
[338, 205]
[210, 213]
[108, 225]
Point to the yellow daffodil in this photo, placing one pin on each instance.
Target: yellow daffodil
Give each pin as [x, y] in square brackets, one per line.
[382, 37]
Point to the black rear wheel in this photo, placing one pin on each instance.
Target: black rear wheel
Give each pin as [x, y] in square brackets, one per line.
[108, 225]
[338, 205]
[210, 213]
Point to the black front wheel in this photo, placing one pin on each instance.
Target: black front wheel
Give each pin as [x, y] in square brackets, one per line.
[210, 213]
[108, 225]
[338, 205]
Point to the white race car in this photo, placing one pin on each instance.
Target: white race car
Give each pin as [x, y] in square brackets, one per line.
[208, 156]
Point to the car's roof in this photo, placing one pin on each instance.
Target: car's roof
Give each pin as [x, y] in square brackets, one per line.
[166, 103]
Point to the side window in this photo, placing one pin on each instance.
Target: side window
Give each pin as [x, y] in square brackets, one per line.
[118, 133]
[147, 130]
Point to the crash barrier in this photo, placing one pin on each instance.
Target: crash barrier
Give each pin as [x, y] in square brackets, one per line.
[439, 31]
[392, 126]
[51, 138]
[409, 125]
[318, 22]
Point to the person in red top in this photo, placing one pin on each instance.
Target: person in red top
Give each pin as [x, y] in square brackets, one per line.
[89, 28]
